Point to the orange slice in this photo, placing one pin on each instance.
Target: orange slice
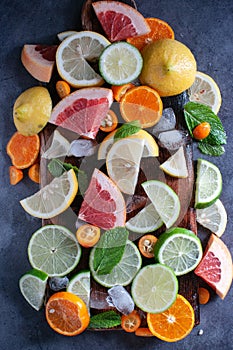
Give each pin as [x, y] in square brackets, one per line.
[141, 103]
[159, 30]
[67, 314]
[173, 324]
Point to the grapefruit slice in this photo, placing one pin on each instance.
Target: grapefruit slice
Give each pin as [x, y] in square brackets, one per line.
[83, 110]
[215, 267]
[120, 21]
[103, 203]
[39, 61]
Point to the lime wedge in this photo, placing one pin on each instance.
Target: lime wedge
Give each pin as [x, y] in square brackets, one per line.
[80, 285]
[120, 63]
[176, 164]
[32, 286]
[59, 147]
[213, 217]
[147, 220]
[54, 250]
[164, 199]
[124, 272]
[155, 288]
[180, 249]
[208, 184]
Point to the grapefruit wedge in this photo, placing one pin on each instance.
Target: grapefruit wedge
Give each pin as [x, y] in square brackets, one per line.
[215, 267]
[103, 203]
[83, 110]
[39, 61]
[120, 21]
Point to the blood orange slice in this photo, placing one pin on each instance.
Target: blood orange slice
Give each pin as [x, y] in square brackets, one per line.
[103, 203]
[39, 60]
[83, 110]
[120, 21]
[215, 267]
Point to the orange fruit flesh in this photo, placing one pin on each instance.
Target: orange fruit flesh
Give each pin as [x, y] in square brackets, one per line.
[141, 103]
[173, 324]
[67, 314]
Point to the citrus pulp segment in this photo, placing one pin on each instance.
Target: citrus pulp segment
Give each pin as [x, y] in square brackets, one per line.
[54, 250]
[205, 90]
[120, 21]
[154, 289]
[173, 324]
[123, 163]
[83, 110]
[216, 266]
[180, 249]
[142, 103]
[75, 55]
[120, 63]
[164, 199]
[146, 220]
[208, 184]
[103, 204]
[176, 165]
[59, 147]
[213, 217]
[32, 286]
[124, 272]
[80, 285]
[54, 198]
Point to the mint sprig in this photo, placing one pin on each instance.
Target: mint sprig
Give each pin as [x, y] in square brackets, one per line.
[109, 250]
[107, 319]
[127, 129]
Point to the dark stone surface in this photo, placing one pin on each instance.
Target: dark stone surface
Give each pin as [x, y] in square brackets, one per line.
[204, 26]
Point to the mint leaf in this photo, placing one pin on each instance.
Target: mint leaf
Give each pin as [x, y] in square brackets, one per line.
[127, 129]
[107, 319]
[56, 167]
[109, 250]
[211, 150]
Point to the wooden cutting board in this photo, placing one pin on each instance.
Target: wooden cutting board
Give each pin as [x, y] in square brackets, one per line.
[188, 284]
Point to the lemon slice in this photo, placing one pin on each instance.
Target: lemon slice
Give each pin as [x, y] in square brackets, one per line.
[120, 63]
[164, 199]
[54, 198]
[123, 161]
[59, 147]
[176, 164]
[75, 55]
[205, 90]
[213, 217]
[151, 148]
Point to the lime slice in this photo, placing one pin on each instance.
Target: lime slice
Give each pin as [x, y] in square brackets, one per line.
[54, 198]
[59, 147]
[123, 162]
[213, 217]
[176, 164]
[32, 286]
[123, 273]
[155, 288]
[205, 90]
[120, 63]
[180, 249]
[80, 285]
[164, 199]
[147, 220]
[208, 184]
[54, 250]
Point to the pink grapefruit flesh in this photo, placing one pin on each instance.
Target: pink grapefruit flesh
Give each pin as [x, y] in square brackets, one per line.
[83, 110]
[39, 61]
[215, 267]
[120, 21]
[103, 203]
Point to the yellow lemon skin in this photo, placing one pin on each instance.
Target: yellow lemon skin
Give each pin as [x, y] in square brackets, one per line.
[168, 66]
[32, 110]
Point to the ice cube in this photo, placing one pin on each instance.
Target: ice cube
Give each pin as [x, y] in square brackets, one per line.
[167, 122]
[58, 283]
[82, 148]
[121, 299]
[172, 139]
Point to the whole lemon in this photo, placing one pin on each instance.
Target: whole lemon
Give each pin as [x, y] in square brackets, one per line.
[32, 110]
[168, 66]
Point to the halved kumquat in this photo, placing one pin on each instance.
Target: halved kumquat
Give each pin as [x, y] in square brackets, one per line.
[88, 235]
[131, 322]
[120, 90]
